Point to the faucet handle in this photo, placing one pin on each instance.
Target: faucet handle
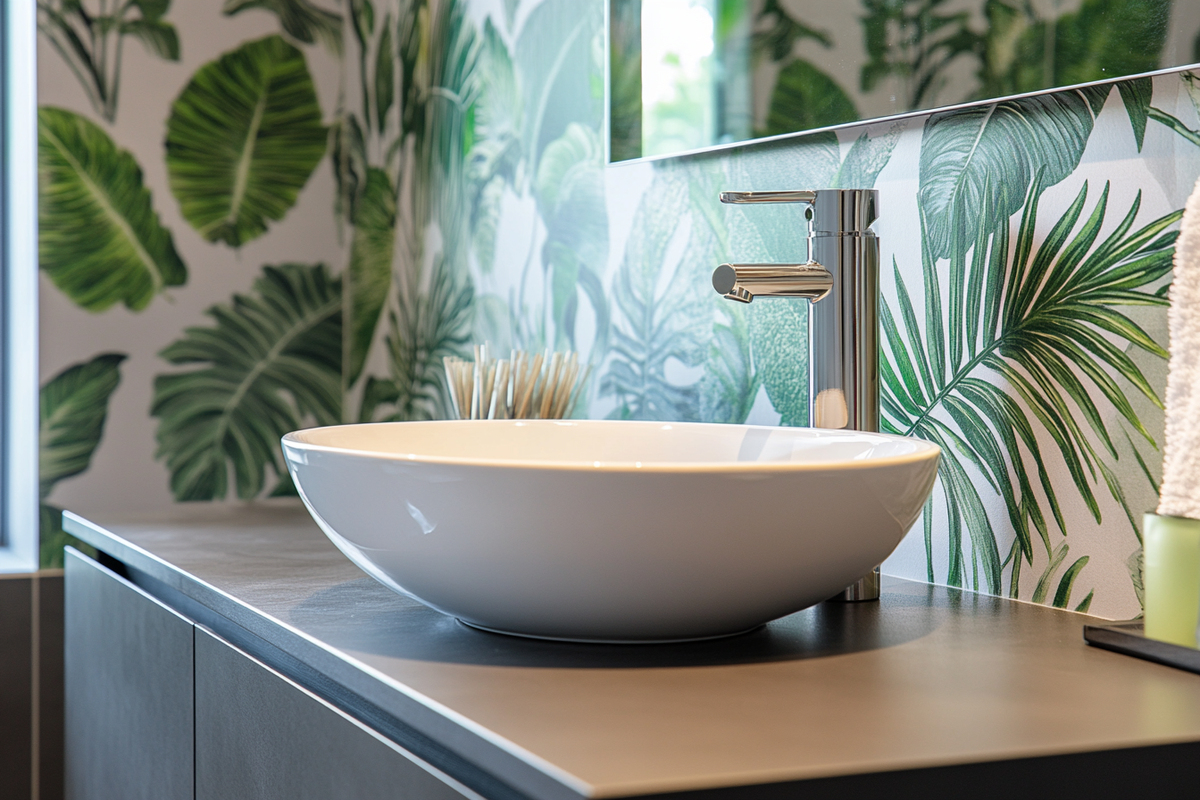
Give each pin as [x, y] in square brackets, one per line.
[830, 211]
[800, 196]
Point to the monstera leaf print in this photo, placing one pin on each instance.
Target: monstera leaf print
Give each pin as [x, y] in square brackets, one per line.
[730, 383]
[653, 324]
[1023, 352]
[73, 409]
[270, 364]
[242, 140]
[99, 238]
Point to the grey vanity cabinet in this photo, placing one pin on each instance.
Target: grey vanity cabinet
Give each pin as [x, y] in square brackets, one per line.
[128, 672]
[163, 709]
[258, 735]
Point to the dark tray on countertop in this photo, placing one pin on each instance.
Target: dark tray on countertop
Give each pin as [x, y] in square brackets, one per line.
[1128, 638]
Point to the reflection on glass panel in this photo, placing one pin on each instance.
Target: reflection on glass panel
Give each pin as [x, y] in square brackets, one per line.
[690, 74]
[677, 75]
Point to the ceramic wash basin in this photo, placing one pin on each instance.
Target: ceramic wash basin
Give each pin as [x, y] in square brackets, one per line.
[611, 531]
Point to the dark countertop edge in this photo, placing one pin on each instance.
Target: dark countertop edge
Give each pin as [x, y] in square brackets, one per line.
[525, 771]
[1128, 638]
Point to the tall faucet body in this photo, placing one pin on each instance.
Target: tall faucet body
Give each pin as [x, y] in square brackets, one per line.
[841, 279]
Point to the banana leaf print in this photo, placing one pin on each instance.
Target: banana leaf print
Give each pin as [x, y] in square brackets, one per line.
[441, 163]
[73, 409]
[404, 145]
[304, 21]
[1007, 143]
[367, 148]
[1191, 82]
[99, 238]
[555, 69]
[496, 145]
[570, 194]
[537, 132]
[243, 139]
[388, 40]
[369, 276]
[92, 43]
[424, 328]
[1099, 39]
[804, 96]
[1023, 349]
[269, 365]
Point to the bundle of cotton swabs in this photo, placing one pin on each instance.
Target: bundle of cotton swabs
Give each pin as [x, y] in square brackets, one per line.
[542, 386]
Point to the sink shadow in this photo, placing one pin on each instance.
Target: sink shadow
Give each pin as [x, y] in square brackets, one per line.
[360, 616]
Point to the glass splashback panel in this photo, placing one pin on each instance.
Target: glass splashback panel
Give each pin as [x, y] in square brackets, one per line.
[687, 75]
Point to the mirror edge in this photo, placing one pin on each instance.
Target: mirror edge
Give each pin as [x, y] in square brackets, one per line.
[783, 137]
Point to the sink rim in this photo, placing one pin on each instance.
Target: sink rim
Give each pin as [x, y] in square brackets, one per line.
[924, 449]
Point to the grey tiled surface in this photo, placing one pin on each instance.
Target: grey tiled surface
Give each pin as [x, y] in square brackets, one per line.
[17, 686]
[16, 672]
[50, 686]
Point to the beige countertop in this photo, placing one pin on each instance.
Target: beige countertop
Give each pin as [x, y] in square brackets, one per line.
[927, 677]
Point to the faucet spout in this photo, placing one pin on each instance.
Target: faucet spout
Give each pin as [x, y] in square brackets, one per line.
[744, 282]
[842, 273]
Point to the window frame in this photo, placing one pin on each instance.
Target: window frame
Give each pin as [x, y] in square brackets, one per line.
[19, 501]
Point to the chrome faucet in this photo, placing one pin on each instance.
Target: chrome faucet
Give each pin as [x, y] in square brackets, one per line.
[841, 280]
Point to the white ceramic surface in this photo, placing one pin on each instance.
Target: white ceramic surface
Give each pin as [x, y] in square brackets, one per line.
[611, 531]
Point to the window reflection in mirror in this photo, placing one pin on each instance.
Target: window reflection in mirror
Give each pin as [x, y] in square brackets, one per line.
[691, 74]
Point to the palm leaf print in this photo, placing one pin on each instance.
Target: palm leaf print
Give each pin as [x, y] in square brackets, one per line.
[1023, 349]
[269, 365]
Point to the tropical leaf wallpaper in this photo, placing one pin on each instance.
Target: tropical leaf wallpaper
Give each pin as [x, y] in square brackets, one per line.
[298, 208]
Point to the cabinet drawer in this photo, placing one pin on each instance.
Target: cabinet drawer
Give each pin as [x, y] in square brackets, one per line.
[128, 673]
[260, 735]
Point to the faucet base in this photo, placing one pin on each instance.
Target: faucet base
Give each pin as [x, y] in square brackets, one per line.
[865, 588]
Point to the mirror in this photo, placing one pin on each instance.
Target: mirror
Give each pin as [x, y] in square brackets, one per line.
[687, 75]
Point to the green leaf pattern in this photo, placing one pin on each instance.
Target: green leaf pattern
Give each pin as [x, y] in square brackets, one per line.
[242, 140]
[99, 238]
[73, 410]
[73, 406]
[370, 269]
[270, 363]
[470, 167]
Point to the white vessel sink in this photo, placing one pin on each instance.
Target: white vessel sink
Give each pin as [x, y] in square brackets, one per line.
[611, 531]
